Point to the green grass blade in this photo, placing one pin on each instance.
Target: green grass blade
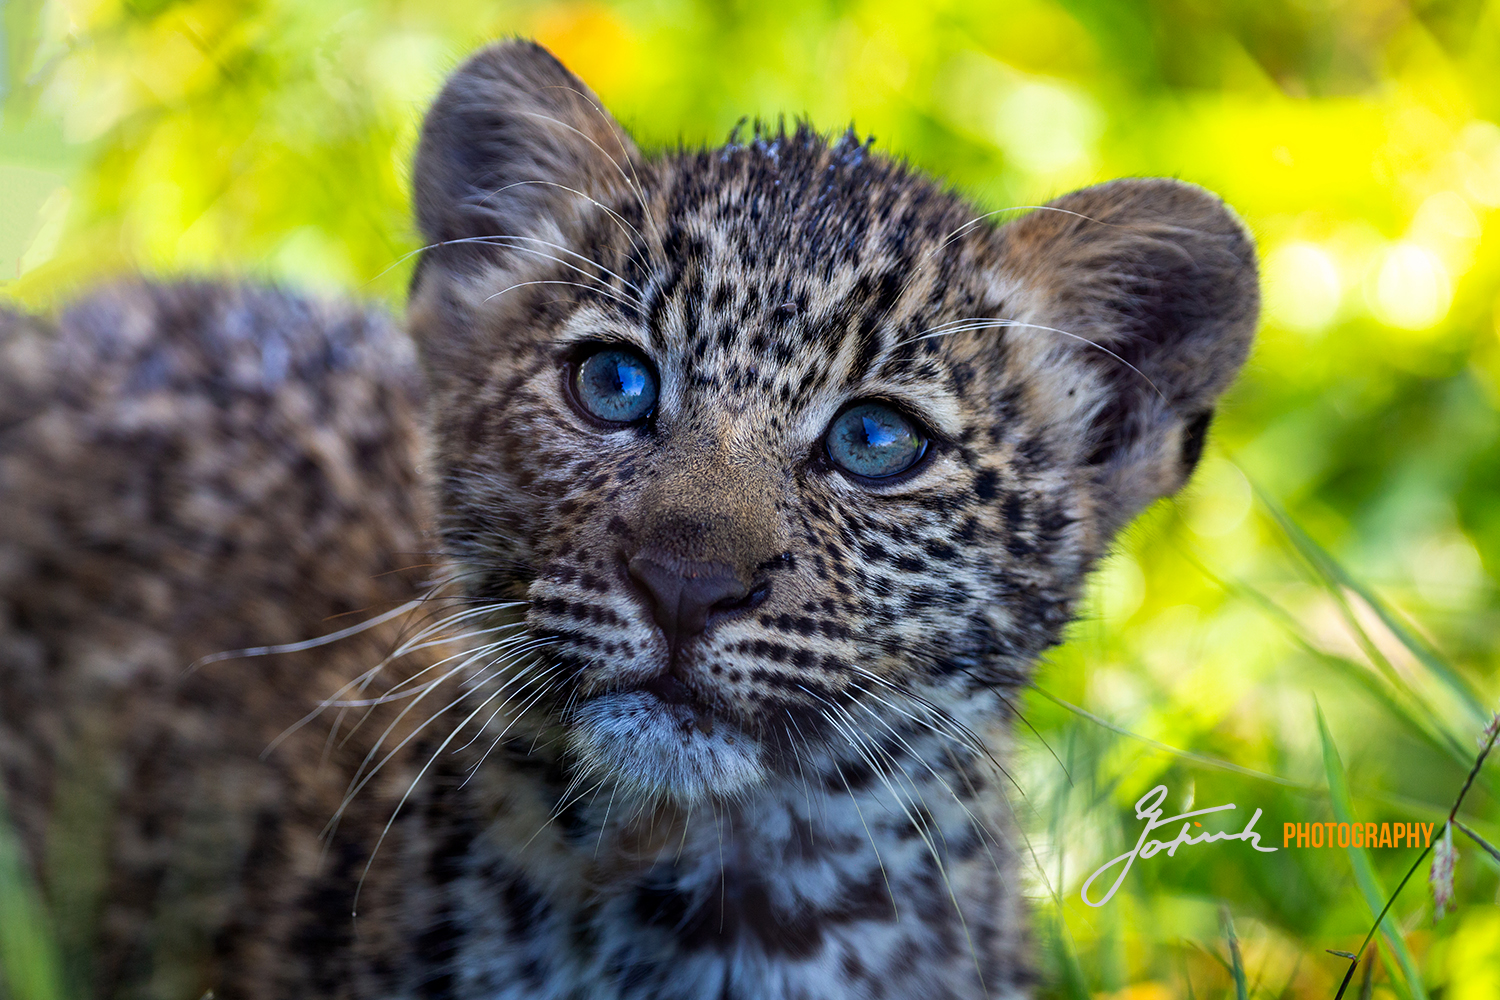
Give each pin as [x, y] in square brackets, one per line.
[1236, 961]
[29, 967]
[1386, 688]
[1205, 760]
[1187, 979]
[1488, 847]
[1364, 870]
[1336, 580]
[1070, 971]
[1367, 984]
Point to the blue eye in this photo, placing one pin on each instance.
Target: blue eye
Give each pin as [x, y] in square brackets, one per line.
[874, 441]
[617, 385]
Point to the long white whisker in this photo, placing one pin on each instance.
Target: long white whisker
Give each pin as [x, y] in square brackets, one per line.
[867, 749]
[591, 262]
[502, 241]
[411, 787]
[806, 788]
[297, 647]
[360, 778]
[614, 130]
[563, 803]
[637, 240]
[524, 671]
[979, 826]
[880, 861]
[1000, 322]
[631, 182]
[1014, 208]
[364, 679]
[499, 649]
[392, 695]
[959, 733]
[559, 281]
[354, 791]
[604, 823]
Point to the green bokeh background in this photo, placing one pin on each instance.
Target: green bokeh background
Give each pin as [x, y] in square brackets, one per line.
[1358, 138]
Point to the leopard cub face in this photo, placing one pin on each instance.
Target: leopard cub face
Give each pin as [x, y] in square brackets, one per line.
[758, 456]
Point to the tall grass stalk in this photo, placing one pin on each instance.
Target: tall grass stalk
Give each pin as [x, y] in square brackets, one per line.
[29, 963]
[1490, 734]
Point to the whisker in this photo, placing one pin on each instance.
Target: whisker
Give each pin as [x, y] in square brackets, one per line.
[604, 823]
[880, 861]
[360, 778]
[1035, 732]
[506, 241]
[582, 257]
[1014, 208]
[997, 322]
[560, 281]
[364, 679]
[978, 825]
[392, 695]
[520, 677]
[471, 654]
[306, 644]
[546, 688]
[868, 750]
[637, 240]
[610, 124]
[960, 733]
[806, 788]
[561, 807]
[928, 838]
[631, 181]
[922, 265]
[385, 830]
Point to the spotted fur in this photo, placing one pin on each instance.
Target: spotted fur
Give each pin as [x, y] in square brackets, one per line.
[805, 798]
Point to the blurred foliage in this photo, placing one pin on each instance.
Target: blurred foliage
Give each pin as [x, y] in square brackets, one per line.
[272, 138]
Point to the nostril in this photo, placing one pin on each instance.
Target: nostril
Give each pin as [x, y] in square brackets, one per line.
[748, 602]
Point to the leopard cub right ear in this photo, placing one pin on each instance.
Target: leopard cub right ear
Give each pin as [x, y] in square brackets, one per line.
[515, 150]
[1139, 299]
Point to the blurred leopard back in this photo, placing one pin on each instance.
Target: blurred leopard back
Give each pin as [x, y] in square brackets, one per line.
[761, 476]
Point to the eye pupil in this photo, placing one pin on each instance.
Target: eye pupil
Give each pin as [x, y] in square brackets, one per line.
[616, 385]
[874, 441]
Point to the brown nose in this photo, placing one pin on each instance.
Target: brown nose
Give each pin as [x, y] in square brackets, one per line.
[684, 594]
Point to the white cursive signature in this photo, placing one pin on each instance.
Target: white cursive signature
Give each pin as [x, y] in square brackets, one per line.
[1148, 807]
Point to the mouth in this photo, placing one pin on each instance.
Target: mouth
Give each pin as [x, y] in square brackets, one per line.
[678, 700]
[660, 740]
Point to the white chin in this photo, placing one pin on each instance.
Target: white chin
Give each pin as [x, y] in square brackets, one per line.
[658, 749]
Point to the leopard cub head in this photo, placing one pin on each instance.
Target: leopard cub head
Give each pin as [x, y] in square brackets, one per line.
[751, 450]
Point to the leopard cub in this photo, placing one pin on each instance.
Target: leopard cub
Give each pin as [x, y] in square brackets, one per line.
[753, 480]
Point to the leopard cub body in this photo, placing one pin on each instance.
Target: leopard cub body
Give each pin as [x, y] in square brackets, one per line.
[758, 478]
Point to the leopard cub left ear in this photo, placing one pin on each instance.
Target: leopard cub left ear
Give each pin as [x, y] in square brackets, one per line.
[1142, 297]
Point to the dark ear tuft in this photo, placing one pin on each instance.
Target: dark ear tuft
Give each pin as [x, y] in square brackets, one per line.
[514, 146]
[1149, 289]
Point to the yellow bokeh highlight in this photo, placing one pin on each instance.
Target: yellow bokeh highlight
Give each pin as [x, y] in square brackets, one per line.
[1410, 288]
[1302, 287]
[1473, 965]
